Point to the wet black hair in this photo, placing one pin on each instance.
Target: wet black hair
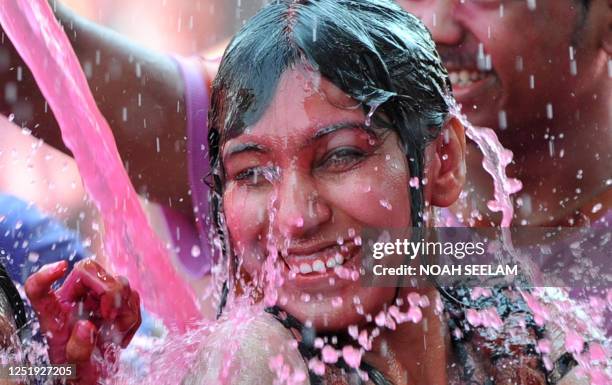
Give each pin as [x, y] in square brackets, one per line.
[8, 289]
[372, 50]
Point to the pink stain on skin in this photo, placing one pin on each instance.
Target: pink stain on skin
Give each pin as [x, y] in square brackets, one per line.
[131, 245]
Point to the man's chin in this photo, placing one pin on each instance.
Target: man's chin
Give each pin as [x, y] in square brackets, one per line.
[480, 102]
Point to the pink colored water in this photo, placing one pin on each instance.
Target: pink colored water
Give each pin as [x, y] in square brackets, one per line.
[131, 245]
[496, 158]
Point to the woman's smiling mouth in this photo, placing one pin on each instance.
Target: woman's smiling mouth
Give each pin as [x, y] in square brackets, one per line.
[321, 266]
[318, 259]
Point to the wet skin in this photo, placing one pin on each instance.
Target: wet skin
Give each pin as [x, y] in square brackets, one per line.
[523, 43]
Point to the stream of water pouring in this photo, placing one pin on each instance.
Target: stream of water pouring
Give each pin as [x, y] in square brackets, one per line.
[131, 245]
[496, 159]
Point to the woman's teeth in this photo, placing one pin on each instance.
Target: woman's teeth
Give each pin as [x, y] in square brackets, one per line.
[465, 78]
[319, 266]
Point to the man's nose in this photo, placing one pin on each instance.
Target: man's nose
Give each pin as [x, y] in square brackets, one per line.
[440, 17]
[300, 208]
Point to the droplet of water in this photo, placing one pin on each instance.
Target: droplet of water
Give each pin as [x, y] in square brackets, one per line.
[503, 122]
[531, 4]
[519, 64]
[33, 257]
[549, 111]
[414, 182]
[351, 356]
[551, 148]
[579, 174]
[385, 203]
[596, 208]
[195, 251]
[573, 68]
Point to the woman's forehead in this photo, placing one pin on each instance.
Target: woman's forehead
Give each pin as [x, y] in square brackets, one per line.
[303, 104]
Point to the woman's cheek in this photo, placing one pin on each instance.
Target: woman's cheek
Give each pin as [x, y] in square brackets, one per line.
[245, 213]
[376, 197]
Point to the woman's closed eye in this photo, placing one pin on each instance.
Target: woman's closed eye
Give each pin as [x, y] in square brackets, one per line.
[250, 176]
[256, 176]
[342, 159]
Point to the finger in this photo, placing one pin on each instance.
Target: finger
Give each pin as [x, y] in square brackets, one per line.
[38, 285]
[82, 342]
[100, 291]
[41, 296]
[129, 310]
[116, 300]
[121, 330]
[131, 320]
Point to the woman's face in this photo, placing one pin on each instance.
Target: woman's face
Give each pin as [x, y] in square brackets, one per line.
[301, 184]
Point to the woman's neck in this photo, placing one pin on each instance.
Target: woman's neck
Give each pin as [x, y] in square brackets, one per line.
[414, 354]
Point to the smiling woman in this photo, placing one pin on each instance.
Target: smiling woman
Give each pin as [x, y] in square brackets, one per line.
[330, 117]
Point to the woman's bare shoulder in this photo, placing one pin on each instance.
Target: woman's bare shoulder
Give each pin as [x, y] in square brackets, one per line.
[250, 347]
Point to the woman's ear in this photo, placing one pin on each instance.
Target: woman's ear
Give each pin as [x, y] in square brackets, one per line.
[445, 165]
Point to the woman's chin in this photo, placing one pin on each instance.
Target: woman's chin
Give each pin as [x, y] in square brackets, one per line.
[329, 314]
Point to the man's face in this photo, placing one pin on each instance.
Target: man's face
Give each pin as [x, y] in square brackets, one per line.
[513, 63]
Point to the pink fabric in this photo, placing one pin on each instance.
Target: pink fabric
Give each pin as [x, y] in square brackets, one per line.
[196, 99]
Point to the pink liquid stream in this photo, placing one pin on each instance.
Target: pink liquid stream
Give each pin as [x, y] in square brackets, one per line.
[132, 247]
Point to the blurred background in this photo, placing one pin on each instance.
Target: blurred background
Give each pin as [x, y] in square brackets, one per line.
[180, 26]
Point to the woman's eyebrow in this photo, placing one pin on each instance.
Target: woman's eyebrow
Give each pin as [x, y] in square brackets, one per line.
[243, 147]
[321, 132]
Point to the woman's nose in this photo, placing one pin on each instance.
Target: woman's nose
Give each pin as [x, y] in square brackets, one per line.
[300, 208]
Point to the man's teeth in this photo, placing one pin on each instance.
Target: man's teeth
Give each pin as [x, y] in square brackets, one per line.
[465, 77]
[319, 266]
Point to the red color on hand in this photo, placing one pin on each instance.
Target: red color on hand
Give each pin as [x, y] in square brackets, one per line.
[86, 318]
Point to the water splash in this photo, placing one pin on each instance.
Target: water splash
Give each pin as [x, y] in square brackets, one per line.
[131, 245]
[496, 159]
[170, 360]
